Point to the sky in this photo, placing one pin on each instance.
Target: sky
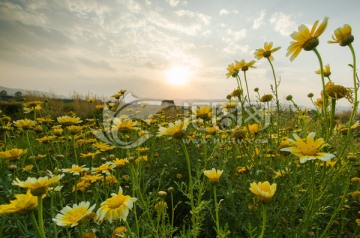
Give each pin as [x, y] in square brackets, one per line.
[169, 49]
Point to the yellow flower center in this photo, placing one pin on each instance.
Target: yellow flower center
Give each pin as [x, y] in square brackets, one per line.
[309, 150]
[116, 201]
[76, 169]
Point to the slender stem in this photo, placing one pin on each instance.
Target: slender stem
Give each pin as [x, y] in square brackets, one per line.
[129, 229]
[332, 115]
[53, 215]
[247, 88]
[337, 210]
[263, 212]
[172, 210]
[216, 212]
[136, 222]
[33, 219]
[277, 102]
[75, 153]
[191, 188]
[307, 218]
[81, 231]
[325, 104]
[356, 88]
[40, 217]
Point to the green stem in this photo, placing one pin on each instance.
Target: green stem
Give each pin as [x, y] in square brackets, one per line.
[53, 215]
[332, 116]
[264, 219]
[356, 88]
[129, 230]
[277, 102]
[28, 141]
[75, 153]
[216, 212]
[247, 88]
[191, 189]
[33, 219]
[335, 212]
[136, 222]
[81, 231]
[325, 104]
[172, 210]
[40, 217]
[308, 214]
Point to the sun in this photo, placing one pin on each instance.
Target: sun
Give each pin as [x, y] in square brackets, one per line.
[177, 75]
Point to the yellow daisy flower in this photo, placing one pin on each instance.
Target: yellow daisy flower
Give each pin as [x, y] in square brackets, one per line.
[27, 168]
[115, 208]
[75, 169]
[120, 162]
[90, 155]
[119, 232]
[174, 129]
[68, 121]
[308, 149]
[244, 66]
[142, 150]
[102, 146]
[266, 52]
[25, 124]
[71, 216]
[326, 71]
[342, 35]
[23, 203]
[46, 120]
[46, 139]
[263, 190]
[74, 129]
[213, 175]
[104, 168]
[306, 39]
[38, 186]
[204, 112]
[233, 71]
[12, 153]
[124, 126]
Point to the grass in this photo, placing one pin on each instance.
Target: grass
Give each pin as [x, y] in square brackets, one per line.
[333, 212]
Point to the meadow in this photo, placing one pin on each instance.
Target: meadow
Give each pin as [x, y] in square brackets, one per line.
[239, 168]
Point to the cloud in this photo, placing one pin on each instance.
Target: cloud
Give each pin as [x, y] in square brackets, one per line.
[282, 23]
[173, 3]
[233, 36]
[223, 12]
[234, 49]
[259, 21]
[198, 17]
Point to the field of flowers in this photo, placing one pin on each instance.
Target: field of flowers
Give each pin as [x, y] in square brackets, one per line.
[241, 168]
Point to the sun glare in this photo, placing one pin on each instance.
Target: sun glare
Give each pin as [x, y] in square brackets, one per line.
[177, 75]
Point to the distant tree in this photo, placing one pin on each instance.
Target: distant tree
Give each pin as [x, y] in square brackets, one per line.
[18, 94]
[3, 93]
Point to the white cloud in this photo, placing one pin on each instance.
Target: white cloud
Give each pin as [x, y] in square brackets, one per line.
[205, 19]
[259, 21]
[282, 23]
[238, 35]
[233, 48]
[173, 3]
[223, 12]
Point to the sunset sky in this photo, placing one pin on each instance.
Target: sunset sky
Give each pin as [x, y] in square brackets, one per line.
[170, 49]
